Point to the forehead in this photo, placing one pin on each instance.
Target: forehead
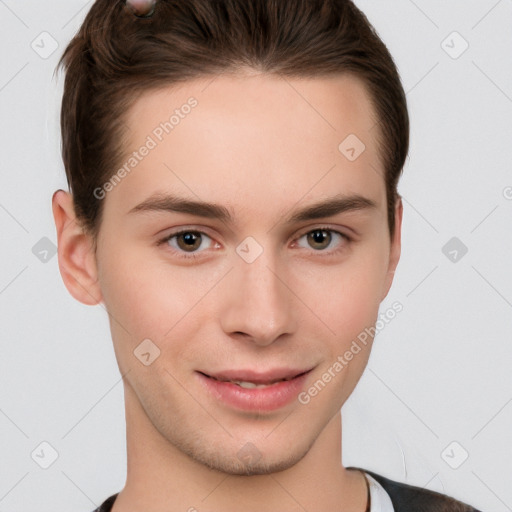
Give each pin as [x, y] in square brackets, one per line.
[242, 137]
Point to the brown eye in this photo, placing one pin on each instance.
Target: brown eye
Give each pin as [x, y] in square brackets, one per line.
[188, 244]
[189, 241]
[324, 240]
[319, 239]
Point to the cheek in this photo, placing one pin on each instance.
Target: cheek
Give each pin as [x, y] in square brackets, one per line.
[347, 297]
[147, 298]
[141, 292]
[348, 304]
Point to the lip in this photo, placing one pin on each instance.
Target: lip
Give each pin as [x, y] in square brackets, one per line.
[277, 395]
[258, 377]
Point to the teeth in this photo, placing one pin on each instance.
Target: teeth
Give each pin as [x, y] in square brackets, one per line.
[251, 385]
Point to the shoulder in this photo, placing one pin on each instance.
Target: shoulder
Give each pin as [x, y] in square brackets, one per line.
[406, 497]
[106, 506]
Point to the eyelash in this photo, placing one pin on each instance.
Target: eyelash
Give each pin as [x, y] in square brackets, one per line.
[195, 255]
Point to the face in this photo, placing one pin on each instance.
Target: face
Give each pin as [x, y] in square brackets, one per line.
[249, 301]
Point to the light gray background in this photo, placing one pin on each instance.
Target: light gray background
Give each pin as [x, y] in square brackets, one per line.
[439, 372]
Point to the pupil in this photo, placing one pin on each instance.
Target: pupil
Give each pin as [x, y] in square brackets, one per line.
[190, 241]
[321, 237]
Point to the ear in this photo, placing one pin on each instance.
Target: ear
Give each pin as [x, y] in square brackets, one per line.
[77, 259]
[395, 248]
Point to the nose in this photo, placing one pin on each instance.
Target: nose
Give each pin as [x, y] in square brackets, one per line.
[257, 304]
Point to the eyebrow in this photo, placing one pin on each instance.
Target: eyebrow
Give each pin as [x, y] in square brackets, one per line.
[325, 208]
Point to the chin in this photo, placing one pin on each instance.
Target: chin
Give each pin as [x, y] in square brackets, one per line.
[248, 461]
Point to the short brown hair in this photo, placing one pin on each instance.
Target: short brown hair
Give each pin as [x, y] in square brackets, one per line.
[116, 56]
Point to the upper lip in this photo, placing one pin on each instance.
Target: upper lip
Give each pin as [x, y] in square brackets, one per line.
[256, 377]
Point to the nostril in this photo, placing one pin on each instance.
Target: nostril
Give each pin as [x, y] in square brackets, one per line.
[142, 8]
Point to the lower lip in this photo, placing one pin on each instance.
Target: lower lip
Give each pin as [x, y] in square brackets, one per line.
[270, 398]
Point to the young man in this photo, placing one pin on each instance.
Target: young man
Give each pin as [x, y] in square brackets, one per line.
[233, 167]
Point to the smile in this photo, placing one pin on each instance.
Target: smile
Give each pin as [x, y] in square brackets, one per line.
[251, 391]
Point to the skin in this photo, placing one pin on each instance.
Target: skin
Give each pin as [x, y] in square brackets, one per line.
[141, 7]
[263, 147]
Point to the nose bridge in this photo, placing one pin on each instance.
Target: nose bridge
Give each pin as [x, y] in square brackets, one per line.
[258, 302]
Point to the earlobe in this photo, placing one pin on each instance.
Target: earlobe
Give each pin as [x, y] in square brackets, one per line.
[77, 261]
[395, 248]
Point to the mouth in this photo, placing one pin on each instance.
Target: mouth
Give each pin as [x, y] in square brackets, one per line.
[260, 382]
[250, 390]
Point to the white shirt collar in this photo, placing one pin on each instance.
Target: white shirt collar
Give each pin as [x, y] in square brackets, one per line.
[381, 502]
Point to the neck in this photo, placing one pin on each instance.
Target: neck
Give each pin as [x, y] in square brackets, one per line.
[162, 478]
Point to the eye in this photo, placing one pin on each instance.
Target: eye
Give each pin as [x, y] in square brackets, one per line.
[322, 238]
[187, 241]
